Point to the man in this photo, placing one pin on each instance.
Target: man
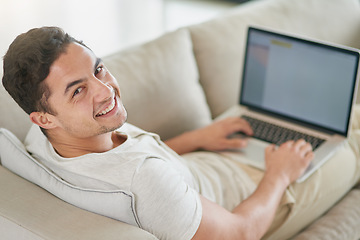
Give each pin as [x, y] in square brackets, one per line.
[72, 97]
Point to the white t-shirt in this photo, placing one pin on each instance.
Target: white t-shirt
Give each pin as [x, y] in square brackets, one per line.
[166, 186]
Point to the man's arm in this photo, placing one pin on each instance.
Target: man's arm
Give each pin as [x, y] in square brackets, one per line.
[213, 137]
[252, 217]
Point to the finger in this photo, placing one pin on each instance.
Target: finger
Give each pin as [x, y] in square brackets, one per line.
[309, 156]
[270, 148]
[236, 124]
[299, 144]
[244, 126]
[306, 161]
[289, 143]
[306, 147]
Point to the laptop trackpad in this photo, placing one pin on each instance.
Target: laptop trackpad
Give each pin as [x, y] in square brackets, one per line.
[253, 154]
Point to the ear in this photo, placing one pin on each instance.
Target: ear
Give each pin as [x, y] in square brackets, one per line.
[44, 120]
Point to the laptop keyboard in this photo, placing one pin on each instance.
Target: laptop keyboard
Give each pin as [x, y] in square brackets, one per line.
[277, 135]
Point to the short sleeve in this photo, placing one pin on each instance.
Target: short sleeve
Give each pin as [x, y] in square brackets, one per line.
[165, 204]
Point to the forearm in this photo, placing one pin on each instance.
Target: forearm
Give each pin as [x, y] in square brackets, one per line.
[184, 143]
[258, 211]
[213, 137]
[249, 220]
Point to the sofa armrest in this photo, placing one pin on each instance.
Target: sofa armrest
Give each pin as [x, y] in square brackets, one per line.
[29, 212]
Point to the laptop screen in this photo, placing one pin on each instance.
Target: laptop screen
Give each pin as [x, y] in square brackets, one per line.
[300, 79]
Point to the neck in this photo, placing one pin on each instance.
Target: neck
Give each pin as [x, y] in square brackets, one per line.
[68, 146]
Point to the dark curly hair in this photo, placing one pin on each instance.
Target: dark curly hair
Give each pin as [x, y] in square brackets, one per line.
[27, 63]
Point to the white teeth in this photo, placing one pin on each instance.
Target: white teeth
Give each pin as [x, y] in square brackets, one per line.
[108, 109]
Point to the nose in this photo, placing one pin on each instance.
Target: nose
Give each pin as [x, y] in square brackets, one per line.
[101, 90]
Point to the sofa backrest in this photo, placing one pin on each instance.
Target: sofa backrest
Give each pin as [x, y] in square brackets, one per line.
[12, 117]
[159, 85]
[219, 43]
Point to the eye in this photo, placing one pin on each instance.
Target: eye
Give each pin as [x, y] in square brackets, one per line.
[99, 70]
[77, 91]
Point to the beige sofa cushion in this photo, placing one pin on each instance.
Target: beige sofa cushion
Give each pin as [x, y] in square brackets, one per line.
[29, 212]
[219, 43]
[13, 117]
[159, 85]
[341, 222]
[117, 204]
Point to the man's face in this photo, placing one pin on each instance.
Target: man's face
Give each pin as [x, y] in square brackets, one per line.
[84, 95]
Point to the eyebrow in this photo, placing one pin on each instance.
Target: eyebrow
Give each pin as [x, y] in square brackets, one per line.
[73, 83]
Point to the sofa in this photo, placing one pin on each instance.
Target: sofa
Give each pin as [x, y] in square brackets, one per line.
[175, 83]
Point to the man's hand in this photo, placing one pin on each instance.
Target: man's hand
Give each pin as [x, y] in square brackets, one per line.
[214, 137]
[289, 160]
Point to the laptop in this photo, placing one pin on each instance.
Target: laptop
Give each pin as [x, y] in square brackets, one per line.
[295, 88]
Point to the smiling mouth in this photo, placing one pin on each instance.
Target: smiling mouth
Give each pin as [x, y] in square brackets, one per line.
[108, 109]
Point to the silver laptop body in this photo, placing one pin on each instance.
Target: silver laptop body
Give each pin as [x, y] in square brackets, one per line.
[299, 84]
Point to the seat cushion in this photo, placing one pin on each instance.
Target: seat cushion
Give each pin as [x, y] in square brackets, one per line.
[29, 212]
[341, 222]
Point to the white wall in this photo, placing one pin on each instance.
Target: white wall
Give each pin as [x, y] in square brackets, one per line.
[179, 13]
[105, 25]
